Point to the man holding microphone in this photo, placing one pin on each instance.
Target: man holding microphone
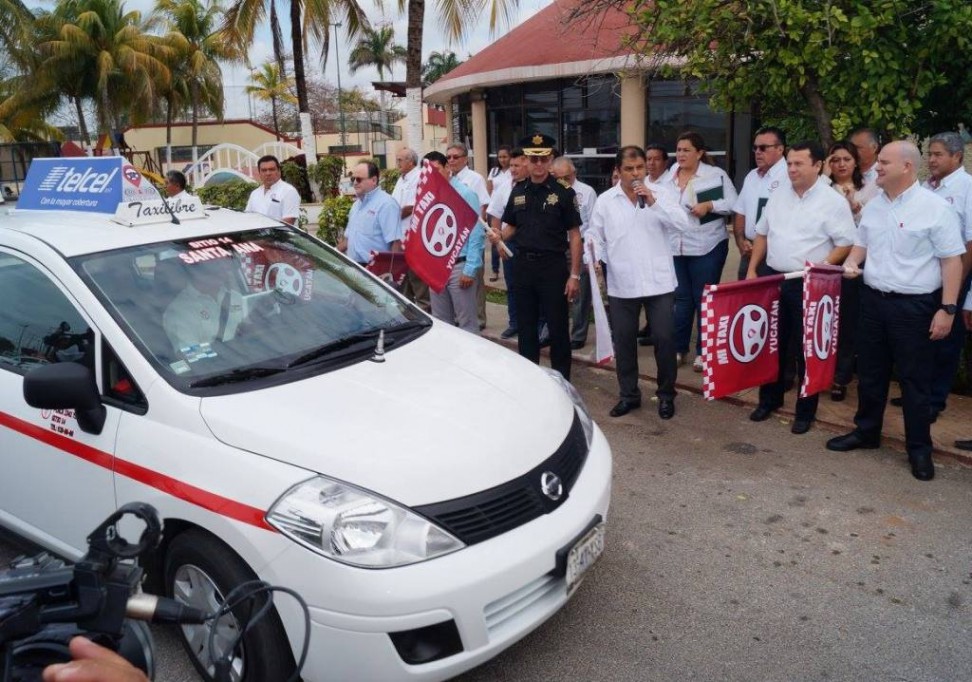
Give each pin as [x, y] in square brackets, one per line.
[629, 228]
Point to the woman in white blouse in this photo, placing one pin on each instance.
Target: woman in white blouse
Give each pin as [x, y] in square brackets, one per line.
[707, 195]
[846, 178]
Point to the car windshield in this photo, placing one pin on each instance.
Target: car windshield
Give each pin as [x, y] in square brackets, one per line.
[241, 306]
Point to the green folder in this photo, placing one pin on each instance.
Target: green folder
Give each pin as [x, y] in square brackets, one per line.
[711, 194]
[760, 204]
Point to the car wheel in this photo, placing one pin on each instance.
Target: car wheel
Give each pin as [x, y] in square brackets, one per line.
[199, 571]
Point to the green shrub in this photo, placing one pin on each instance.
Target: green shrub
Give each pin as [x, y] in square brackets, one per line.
[296, 175]
[327, 173]
[233, 194]
[388, 178]
[334, 218]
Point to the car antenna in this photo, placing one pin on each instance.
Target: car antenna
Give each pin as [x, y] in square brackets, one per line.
[175, 221]
[379, 355]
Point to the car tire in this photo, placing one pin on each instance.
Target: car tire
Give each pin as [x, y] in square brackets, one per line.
[200, 570]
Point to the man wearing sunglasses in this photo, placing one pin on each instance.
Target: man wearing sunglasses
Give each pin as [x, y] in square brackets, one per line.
[543, 215]
[374, 223]
[769, 175]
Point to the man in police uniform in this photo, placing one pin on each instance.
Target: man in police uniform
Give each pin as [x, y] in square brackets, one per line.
[543, 215]
[913, 246]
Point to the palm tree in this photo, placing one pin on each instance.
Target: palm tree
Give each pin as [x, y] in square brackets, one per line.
[269, 85]
[243, 16]
[455, 16]
[377, 48]
[438, 65]
[197, 49]
[112, 46]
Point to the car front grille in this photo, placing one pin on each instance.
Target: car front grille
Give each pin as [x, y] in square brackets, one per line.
[484, 515]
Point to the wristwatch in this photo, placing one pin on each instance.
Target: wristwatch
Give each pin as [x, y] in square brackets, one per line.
[577, 277]
[949, 308]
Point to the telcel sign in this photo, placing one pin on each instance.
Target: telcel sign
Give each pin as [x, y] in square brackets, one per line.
[94, 185]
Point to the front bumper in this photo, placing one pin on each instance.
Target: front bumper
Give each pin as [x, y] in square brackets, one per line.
[495, 592]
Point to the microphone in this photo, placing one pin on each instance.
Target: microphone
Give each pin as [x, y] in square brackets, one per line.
[636, 185]
[154, 609]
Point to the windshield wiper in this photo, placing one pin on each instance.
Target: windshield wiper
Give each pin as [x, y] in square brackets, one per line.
[354, 339]
[236, 375]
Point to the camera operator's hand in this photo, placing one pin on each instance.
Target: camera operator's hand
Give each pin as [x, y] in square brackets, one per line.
[93, 663]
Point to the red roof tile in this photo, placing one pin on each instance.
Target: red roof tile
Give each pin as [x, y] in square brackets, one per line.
[549, 37]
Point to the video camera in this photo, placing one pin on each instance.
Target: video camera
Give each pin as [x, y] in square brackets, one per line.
[44, 603]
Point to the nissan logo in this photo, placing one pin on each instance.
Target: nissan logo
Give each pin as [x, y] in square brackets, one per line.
[551, 486]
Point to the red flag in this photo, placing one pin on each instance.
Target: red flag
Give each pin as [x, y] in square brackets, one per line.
[441, 223]
[740, 335]
[389, 266]
[821, 322]
[271, 268]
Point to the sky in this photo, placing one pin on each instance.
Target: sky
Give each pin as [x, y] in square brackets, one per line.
[236, 78]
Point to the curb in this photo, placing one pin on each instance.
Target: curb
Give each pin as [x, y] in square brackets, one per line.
[896, 442]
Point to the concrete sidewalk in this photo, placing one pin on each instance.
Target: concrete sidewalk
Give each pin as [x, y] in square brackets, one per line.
[954, 423]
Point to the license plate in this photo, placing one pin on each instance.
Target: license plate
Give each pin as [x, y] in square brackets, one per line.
[583, 555]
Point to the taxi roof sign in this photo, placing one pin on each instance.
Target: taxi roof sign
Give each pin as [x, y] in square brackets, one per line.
[89, 184]
[133, 213]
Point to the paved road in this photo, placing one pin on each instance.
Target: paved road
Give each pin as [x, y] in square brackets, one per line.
[739, 552]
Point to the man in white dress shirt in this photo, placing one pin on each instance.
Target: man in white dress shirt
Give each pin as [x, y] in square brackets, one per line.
[404, 193]
[629, 227]
[913, 246]
[274, 198]
[806, 221]
[769, 175]
[563, 169]
[866, 143]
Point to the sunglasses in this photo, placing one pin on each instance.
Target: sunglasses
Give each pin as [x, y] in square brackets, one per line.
[538, 159]
[764, 147]
[357, 180]
[455, 156]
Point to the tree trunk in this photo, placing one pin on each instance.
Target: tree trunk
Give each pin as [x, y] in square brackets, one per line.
[818, 109]
[413, 75]
[194, 93]
[168, 131]
[297, 36]
[278, 50]
[276, 123]
[82, 124]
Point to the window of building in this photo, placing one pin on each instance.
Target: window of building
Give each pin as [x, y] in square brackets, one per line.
[677, 106]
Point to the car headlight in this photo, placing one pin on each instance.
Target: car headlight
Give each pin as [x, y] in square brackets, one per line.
[356, 527]
[579, 406]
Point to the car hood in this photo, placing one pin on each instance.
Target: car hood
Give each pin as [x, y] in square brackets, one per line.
[446, 415]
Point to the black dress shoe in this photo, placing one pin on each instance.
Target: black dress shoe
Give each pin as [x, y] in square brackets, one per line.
[852, 441]
[509, 333]
[897, 402]
[763, 412]
[577, 345]
[644, 332]
[801, 426]
[922, 467]
[645, 341]
[963, 444]
[624, 406]
[666, 408]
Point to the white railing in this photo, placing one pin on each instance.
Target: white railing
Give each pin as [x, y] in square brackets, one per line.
[282, 150]
[224, 157]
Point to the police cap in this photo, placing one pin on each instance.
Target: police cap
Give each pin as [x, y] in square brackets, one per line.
[538, 144]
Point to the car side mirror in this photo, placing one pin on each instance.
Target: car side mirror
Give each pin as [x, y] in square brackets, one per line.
[67, 386]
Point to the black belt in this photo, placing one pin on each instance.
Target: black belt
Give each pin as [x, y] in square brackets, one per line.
[538, 255]
[894, 294]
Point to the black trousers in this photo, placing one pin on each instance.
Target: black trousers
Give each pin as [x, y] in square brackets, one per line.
[625, 315]
[538, 284]
[791, 340]
[893, 331]
[850, 306]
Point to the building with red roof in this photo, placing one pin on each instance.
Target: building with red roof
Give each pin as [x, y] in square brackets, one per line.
[572, 76]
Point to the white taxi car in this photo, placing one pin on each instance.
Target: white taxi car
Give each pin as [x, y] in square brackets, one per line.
[432, 497]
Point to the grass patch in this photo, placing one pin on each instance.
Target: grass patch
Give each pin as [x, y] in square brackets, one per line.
[496, 296]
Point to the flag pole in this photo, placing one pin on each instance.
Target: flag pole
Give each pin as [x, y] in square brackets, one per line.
[490, 230]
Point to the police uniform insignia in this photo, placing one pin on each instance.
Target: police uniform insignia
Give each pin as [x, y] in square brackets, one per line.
[519, 200]
[552, 199]
[538, 139]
